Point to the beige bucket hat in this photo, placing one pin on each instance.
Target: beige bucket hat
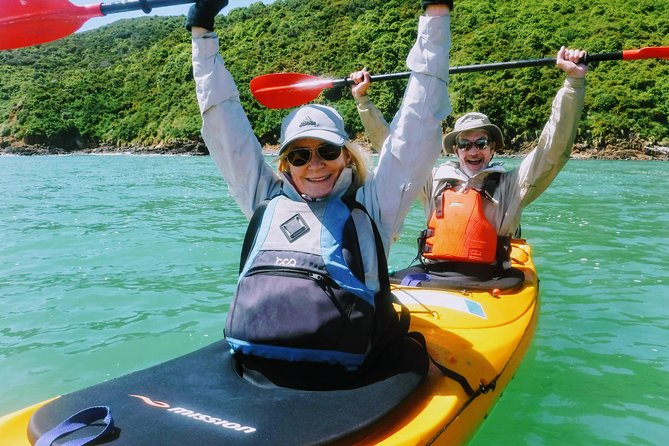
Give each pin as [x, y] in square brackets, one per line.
[471, 121]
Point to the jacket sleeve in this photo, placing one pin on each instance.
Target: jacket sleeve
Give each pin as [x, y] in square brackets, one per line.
[414, 143]
[376, 127]
[541, 166]
[226, 130]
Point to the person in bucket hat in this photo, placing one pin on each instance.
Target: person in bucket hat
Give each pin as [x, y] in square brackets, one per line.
[474, 140]
[473, 121]
[322, 177]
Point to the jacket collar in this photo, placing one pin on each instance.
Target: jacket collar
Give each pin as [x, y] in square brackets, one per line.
[451, 170]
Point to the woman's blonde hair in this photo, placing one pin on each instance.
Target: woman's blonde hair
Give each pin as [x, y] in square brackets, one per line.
[359, 162]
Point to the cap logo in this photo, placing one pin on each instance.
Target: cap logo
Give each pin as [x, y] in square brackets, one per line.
[307, 121]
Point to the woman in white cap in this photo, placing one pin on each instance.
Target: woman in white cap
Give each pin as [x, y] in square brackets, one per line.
[313, 201]
[495, 212]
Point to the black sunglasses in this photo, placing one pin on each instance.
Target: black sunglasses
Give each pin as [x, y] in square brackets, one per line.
[480, 144]
[300, 156]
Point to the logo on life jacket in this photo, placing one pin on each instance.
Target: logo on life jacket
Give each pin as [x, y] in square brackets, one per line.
[285, 261]
[459, 230]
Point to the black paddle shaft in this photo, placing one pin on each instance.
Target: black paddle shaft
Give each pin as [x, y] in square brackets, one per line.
[490, 67]
[532, 63]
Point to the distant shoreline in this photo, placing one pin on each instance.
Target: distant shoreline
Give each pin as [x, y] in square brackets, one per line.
[633, 151]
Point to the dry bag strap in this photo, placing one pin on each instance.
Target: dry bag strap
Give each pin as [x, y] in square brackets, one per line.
[384, 280]
[78, 421]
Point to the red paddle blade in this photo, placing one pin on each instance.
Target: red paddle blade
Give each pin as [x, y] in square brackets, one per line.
[31, 22]
[286, 90]
[657, 52]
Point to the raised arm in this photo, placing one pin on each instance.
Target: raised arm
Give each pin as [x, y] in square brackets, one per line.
[225, 128]
[541, 166]
[414, 143]
[376, 127]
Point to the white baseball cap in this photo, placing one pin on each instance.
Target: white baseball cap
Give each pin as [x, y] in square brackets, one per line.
[313, 121]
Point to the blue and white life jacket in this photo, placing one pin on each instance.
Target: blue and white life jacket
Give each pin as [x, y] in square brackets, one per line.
[302, 295]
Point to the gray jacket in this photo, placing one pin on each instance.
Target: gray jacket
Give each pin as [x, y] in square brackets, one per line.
[520, 186]
[409, 151]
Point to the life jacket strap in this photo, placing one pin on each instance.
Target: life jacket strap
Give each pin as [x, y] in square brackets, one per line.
[251, 233]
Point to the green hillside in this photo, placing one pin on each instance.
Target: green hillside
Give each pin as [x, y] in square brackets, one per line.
[130, 83]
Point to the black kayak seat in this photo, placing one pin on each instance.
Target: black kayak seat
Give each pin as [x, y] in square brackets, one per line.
[201, 399]
[460, 276]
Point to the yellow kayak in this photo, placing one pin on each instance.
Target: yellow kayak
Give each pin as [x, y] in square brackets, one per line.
[480, 336]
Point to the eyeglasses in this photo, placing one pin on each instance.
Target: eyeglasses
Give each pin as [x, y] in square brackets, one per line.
[480, 144]
[300, 156]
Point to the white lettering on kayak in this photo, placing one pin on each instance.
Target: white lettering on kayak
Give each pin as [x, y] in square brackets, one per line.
[213, 420]
[196, 415]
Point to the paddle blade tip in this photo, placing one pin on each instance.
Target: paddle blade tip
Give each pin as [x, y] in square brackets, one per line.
[656, 52]
[287, 90]
[24, 24]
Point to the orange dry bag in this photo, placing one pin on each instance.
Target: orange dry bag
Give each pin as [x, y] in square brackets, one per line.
[459, 230]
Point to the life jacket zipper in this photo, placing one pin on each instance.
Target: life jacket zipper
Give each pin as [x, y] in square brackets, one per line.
[326, 283]
[292, 272]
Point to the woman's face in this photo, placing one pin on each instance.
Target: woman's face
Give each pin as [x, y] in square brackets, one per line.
[317, 176]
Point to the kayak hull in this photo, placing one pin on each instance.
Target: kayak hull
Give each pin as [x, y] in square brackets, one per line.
[480, 335]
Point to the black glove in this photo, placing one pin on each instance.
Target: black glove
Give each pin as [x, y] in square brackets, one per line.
[203, 12]
[426, 3]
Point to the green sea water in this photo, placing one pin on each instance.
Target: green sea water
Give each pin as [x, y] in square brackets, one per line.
[110, 264]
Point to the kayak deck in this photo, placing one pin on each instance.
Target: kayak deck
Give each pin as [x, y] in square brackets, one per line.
[481, 336]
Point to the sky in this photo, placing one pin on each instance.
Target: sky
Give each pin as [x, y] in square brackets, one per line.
[171, 10]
